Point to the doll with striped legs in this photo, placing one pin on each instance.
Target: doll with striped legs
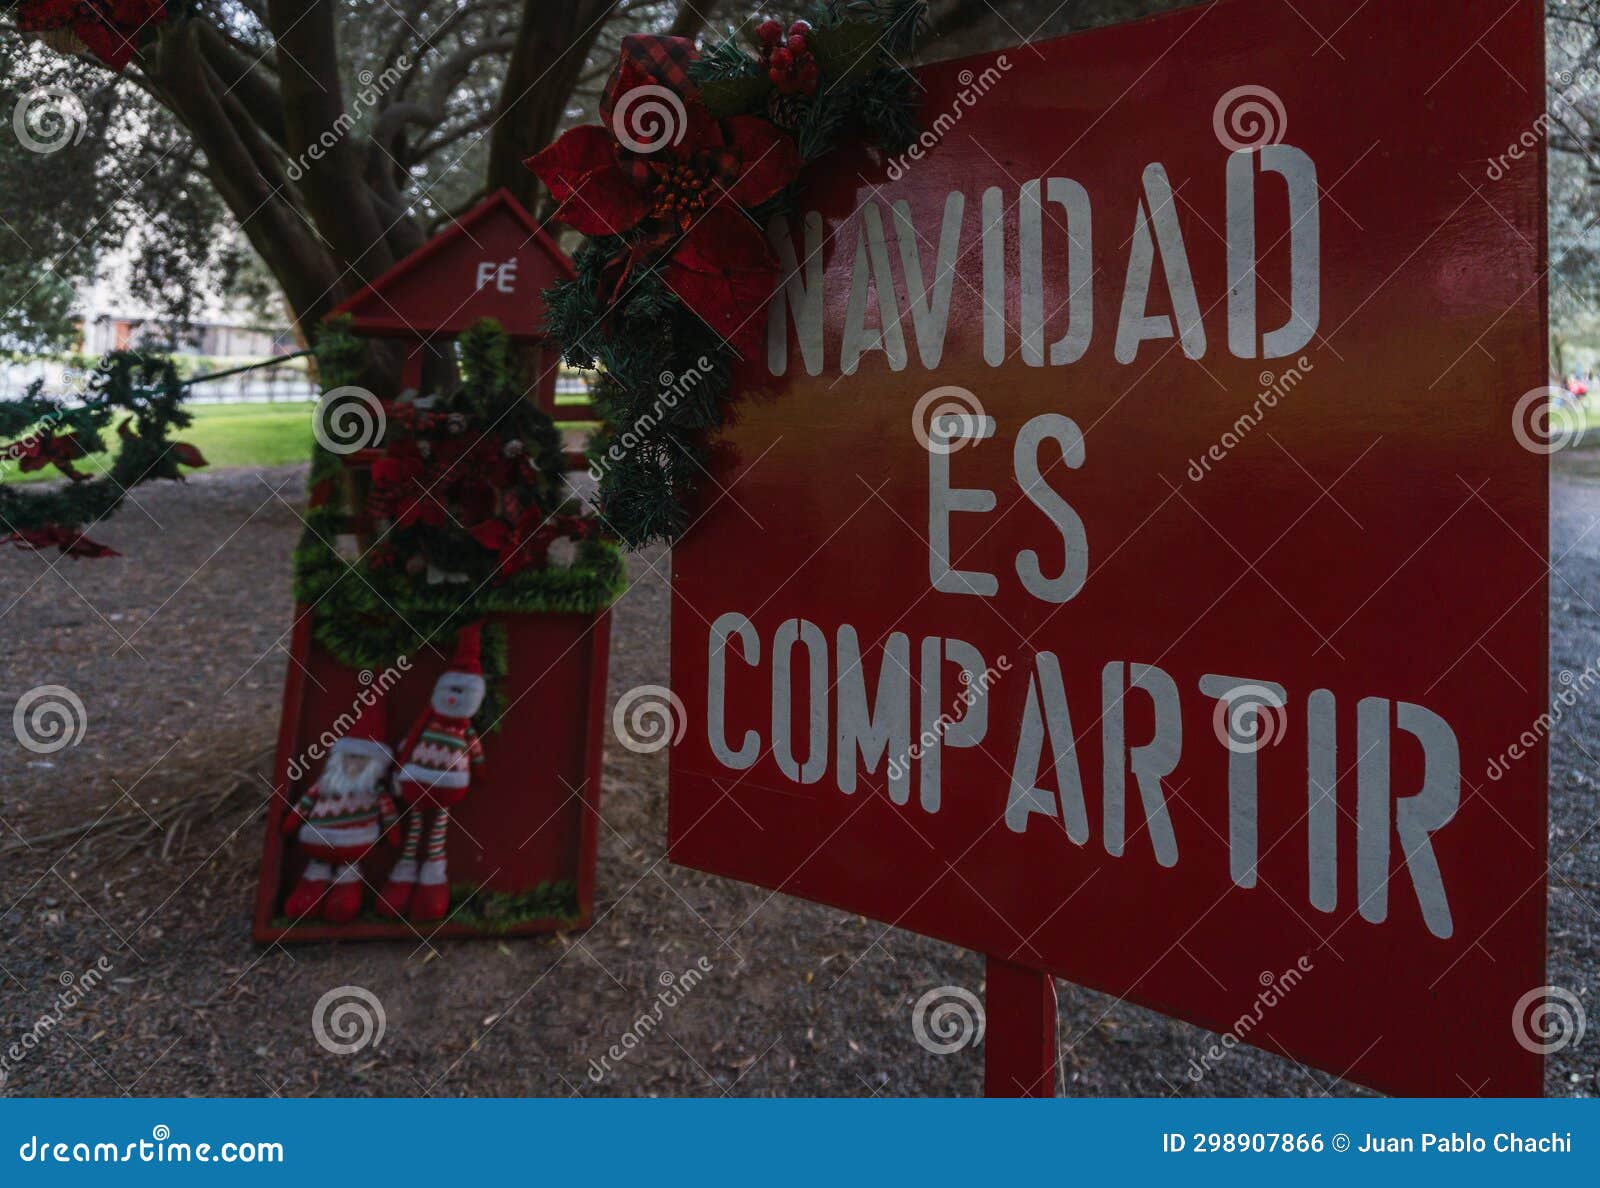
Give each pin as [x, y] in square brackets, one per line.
[436, 762]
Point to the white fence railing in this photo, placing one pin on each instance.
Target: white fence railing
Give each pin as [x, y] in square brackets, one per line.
[268, 385]
[265, 385]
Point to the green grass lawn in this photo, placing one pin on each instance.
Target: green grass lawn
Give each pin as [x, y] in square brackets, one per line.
[1567, 422]
[228, 435]
[231, 435]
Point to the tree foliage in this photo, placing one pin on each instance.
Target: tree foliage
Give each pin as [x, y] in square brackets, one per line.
[328, 138]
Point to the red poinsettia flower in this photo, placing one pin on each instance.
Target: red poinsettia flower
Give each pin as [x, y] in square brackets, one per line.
[111, 29]
[402, 488]
[475, 498]
[69, 541]
[679, 182]
[525, 538]
[187, 454]
[48, 449]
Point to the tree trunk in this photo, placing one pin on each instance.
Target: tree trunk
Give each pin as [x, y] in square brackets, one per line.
[555, 41]
[247, 174]
[315, 221]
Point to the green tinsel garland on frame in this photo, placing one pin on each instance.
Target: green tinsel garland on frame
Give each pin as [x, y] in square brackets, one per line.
[367, 616]
[488, 911]
[664, 374]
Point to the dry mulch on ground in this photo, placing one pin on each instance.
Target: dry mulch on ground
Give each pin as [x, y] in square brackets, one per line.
[177, 653]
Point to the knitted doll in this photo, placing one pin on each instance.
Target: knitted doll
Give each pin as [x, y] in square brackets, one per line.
[436, 761]
[339, 819]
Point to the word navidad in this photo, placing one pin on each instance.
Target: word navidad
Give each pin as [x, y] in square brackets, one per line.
[1157, 238]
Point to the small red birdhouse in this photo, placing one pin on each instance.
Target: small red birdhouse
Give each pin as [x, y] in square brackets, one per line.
[493, 262]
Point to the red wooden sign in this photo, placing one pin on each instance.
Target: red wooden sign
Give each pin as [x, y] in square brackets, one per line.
[1137, 575]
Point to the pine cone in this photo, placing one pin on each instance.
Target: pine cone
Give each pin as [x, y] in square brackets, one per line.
[786, 111]
[62, 40]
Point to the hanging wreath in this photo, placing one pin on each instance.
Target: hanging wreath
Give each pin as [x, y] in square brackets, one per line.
[41, 431]
[674, 189]
[471, 485]
[467, 486]
[111, 30]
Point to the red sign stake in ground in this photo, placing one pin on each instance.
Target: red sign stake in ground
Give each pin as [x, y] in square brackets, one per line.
[1138, 575]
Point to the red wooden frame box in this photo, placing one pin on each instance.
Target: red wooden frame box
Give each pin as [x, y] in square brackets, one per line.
[532, 813]
[495, 261]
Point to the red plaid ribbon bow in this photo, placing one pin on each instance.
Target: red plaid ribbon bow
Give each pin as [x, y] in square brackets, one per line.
[665, 59]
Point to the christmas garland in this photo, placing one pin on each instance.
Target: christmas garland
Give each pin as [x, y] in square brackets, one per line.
[483, 910]
[695, 156]
[110, 30]
[370, 612]
[52, 432]
[473, 486]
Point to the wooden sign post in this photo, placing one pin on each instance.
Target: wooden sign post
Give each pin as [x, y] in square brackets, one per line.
[1020, 1059]
[1138, 571]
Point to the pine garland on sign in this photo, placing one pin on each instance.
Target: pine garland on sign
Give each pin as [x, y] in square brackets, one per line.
[40, 430]
[673, 281]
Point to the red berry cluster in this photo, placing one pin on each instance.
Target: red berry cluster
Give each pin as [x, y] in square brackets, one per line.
[788, 58]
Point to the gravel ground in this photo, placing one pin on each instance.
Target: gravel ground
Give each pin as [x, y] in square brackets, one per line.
[176, 655]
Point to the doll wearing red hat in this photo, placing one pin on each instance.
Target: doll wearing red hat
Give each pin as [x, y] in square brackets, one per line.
[436, 762]
[339, 818]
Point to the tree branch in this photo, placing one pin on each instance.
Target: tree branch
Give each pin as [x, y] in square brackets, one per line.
[554, 44]
[240, 165]
[319, 133]
[693, 16]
